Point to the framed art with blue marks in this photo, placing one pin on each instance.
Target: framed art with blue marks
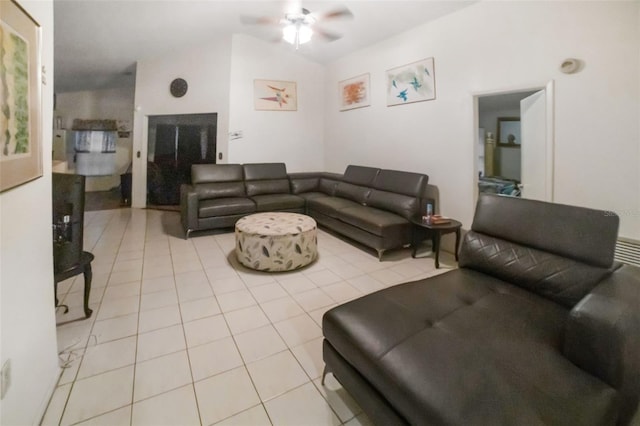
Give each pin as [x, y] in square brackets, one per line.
[410, 83]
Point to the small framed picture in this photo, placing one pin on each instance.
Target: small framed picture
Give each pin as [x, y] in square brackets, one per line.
[355, 92]
[274, 95]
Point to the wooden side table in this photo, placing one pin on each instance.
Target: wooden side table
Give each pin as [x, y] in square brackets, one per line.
[421, 230]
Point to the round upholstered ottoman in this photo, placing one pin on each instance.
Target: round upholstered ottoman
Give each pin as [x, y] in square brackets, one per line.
[276, 241]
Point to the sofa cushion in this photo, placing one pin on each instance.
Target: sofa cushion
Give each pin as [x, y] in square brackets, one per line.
[375, 221]
[558, 278]
[225, 207]
[275, 202]
[330, 206]
[467, 348]
[360, 175]
[400, 182]
[203, 173]
[404, 205]
[208, 191]
[270, 186]
[356, 193]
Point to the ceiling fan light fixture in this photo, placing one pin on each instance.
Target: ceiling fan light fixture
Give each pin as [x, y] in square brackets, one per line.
[297, 34]
[289, 33]
[304, 34]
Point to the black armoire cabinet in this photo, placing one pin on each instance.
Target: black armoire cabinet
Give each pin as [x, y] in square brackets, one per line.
[175, 143]
[69, 258]
[68, 220]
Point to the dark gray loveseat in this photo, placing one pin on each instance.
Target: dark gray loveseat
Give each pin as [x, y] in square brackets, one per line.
[370, 205]
[538, 326]
[220, 194]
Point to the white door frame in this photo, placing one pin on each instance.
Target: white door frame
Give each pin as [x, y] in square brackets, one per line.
[139, 178]
[550, 96]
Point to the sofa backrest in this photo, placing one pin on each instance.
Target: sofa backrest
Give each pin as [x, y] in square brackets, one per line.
[302, 182]
[356, 183]
[557, 251]
[398, 191]
[328, 185]
[360, 175]
[217, 180]
[266, 178]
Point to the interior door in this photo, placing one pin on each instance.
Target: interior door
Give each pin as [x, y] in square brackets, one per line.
[536, 146]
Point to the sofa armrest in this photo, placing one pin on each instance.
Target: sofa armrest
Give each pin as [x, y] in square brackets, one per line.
[188, 209]
[602, 335]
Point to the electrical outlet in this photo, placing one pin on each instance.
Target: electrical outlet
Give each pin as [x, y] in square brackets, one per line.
[5, 378]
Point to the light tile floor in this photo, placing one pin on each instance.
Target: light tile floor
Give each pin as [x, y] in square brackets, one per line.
[184, 335]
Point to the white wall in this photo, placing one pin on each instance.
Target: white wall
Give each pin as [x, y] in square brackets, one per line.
[28, 334]
[501, 46]
[293, 137]
[206, 69]
[110, 104]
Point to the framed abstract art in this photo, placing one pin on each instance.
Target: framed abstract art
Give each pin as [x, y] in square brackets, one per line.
[355, 92]
[20, 115]
[413, 82]
[273, 95]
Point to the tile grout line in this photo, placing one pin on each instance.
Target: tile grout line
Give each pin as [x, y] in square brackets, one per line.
[135, 355]
[235, 343]
[184, 333]
[84, 350]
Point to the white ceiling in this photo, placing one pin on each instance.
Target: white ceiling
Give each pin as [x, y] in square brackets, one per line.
[97, 42]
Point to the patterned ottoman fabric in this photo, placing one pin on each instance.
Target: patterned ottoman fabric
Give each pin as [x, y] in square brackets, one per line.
[276, 241]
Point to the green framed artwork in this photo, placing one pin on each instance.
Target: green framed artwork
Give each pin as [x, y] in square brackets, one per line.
[20, 121]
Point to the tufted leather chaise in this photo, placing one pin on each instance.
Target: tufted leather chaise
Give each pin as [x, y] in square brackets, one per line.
[538, 326]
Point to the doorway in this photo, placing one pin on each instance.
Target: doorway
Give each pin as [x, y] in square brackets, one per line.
[175, 143]
[514, 147]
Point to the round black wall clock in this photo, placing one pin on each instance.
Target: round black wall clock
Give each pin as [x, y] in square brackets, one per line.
[178, 87]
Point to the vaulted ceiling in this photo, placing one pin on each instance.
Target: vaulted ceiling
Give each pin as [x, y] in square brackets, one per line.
[97, 42]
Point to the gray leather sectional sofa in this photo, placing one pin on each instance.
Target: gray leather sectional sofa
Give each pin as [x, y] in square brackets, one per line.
[537, 326]
[367, 204]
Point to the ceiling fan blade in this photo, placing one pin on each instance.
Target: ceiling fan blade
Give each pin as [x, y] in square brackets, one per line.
[259, 20]
[335, 14]
[329, 36]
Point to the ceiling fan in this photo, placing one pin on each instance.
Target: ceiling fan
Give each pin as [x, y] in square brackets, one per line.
[300, 25]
